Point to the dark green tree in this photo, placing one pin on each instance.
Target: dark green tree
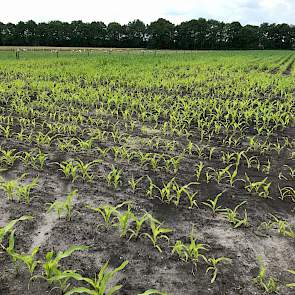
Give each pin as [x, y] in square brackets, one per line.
[161, 34]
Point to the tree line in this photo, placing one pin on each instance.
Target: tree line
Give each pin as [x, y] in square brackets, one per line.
[161, 34]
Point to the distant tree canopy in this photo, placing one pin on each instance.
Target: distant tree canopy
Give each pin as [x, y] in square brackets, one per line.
[161, 34]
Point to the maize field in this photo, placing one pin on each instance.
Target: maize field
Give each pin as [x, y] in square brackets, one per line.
[147, 172]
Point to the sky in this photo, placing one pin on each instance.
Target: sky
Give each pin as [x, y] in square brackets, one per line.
[123, 11]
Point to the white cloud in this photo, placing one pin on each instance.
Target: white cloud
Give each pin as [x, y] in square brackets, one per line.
[245, 11]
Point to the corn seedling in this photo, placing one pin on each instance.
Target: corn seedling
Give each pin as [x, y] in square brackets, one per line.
[138, 224]
[213, 266]
[213, 204]
[84, 169]
[24, 191]
[9, 187]
[166, 194]
[251, 161]
[134, 183]
[27, 259]
[8, 158]
[259, 187]
[108, 212]
[192, 251]
[282, 226]
[287, 192]
[211, 152]
[51, 265]
[180, 190]
[199, 169]
[228, 157]
[64, 207]
[269, 285]
[100, 284]
[158, 233]
[8, 228]
[291, 171]
[69, 170]
[266, 168]
[234, 217]
[5, 131]
[174, 162]
[123, 221]
[114, 177]
[10, 250]
[62, 277]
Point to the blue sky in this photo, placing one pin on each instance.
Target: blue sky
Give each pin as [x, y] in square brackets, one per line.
[123, 11]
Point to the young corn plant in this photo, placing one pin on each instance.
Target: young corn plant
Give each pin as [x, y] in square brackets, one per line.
[278, 147]
[194, 250]
[220, 174]
[39, 161]
[8, 158]
[199, 169]
[134, 183]
[190, 147]
[291, 170]
[27, 259]
[213, 204]
[151, 187]
[23, 192]
[251, 161]
[166, 192]
[101, 284]
[114, 177]
[154, 162]
[85, 144]
[174, 162]
[287, 192]
[200, 150]
[190, 252]
[64, 207]
[211, 152]
[266, 168]
[8, 228]
[269, 285]
[123, 221]
[51, 265]
[232, 176]
[103, 151]
[158, 233]
[5, 131]
[181, 250]
[10, 250]
[26, 157]
[208, 175]
[214, 266]
[44, 139]
[282, 226]
[234, 217]
[69, 169]
[62, 278]
[184, 190]
[9, 187]
[84, 169]
[135, 233]
[108, 212]
[228, 157]
[191, 198]
[259, 187]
